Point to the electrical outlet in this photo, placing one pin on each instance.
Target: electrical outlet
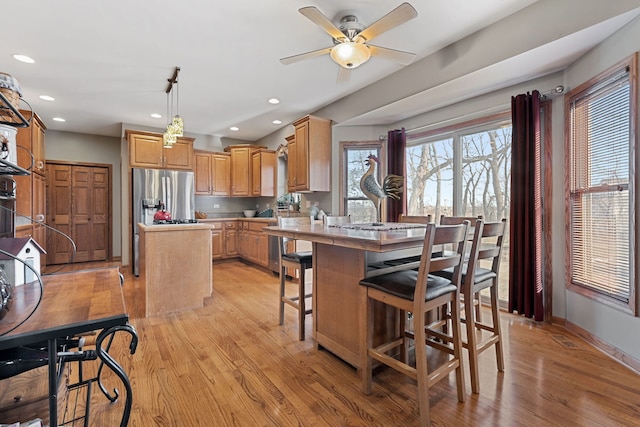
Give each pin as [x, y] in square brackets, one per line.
[257, 206]
[216, 206]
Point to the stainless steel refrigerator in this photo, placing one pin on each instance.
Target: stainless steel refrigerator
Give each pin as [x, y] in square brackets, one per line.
[153, 187]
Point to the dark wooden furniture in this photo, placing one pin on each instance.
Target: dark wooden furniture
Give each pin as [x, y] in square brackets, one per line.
[65, 305]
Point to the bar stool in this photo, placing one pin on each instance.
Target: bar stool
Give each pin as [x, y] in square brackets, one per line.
[486, 247]
[292, 261]
[419, 292]
[335, 219]
[414, 219]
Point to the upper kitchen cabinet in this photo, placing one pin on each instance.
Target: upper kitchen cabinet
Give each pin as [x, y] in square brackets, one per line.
[263, 173]
[309, 157]
[241, 164]
[146, 150]
[31, 138]
[291, 164]
[212, 173]
[31, 189]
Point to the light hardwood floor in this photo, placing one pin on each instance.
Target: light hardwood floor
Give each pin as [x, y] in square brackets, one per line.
[231, 364]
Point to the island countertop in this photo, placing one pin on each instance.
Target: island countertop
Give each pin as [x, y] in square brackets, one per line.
[386, 237]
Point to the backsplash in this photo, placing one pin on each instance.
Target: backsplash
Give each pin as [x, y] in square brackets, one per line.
[231, 207]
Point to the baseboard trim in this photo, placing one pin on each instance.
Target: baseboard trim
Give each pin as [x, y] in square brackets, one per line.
[611, 351]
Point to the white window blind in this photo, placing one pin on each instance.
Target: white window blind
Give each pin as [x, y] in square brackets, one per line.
[600, 155]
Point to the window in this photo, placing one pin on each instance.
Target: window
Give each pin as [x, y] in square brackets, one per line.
[463, 170]
[600, 144]
[353, 167]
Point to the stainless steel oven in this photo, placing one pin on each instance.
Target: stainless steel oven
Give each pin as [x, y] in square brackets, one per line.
[7, 206]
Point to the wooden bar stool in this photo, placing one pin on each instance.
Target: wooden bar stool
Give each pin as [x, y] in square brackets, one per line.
[419, 292]
[294, 261]
[486, 247]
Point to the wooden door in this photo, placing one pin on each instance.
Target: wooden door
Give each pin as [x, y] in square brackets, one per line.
[59, 249]
[80, 207]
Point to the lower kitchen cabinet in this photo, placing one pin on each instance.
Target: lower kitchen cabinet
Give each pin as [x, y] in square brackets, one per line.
[240, 239]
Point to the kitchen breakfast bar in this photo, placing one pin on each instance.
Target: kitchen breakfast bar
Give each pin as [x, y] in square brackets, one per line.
[342, 256]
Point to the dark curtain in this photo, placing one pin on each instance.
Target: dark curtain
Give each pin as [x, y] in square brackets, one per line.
[525, 249]
[396, 147]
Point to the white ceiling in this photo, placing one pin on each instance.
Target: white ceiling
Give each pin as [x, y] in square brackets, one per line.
[107, 63]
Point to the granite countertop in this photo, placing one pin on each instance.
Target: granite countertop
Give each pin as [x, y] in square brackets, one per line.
[254, 219]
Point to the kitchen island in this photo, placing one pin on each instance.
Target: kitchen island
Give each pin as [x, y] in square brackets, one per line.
[341, 258]
[175, 266]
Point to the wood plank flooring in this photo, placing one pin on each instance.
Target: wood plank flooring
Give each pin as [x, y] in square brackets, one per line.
[231, 364]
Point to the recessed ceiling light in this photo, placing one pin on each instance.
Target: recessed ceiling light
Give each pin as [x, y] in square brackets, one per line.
[277, 122]
[234, 128]
[156, 116]
[58, 119]
[24, 58]
[47, 98]
[274, 101]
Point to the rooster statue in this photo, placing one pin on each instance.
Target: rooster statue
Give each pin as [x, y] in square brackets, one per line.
[392, 185]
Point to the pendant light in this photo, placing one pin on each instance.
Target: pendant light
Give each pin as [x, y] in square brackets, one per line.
[175, 127]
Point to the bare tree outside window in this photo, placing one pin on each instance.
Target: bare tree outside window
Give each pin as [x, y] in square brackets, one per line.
[463, 172]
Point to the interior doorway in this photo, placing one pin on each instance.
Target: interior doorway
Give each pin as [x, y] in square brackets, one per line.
[79, 205]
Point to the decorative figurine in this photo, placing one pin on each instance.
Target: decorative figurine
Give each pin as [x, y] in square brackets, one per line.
[392, 185]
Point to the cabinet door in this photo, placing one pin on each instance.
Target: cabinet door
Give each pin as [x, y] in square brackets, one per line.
[38, 147]
[255, 174]
[220, 174]
[301, 156]
[216, 244]
[240, 161]
[203, 173]
[262, 253]
[291, 164]
[231, 243]
[180, 155]
[145, 150]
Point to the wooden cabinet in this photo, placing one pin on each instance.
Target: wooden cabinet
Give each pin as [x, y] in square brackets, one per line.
[212, 173]
[291, 163]
[31, 189]
[241, 168]
[146, 150]
[253, 243]
[217, 242]
[223, 239]
[231, 239]
[309, 155]
[263, 173]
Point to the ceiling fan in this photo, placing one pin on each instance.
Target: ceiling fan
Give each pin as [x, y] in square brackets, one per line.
[351, 39]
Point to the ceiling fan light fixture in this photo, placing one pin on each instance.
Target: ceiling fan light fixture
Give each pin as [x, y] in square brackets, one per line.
[350, 54]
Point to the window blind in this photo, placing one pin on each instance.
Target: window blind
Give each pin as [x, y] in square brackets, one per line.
[600, 156]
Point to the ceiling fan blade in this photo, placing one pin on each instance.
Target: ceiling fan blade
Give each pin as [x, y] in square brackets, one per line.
[344, 74]
[295, 58]
[397, 16]
[322, 21]
[399, 56]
